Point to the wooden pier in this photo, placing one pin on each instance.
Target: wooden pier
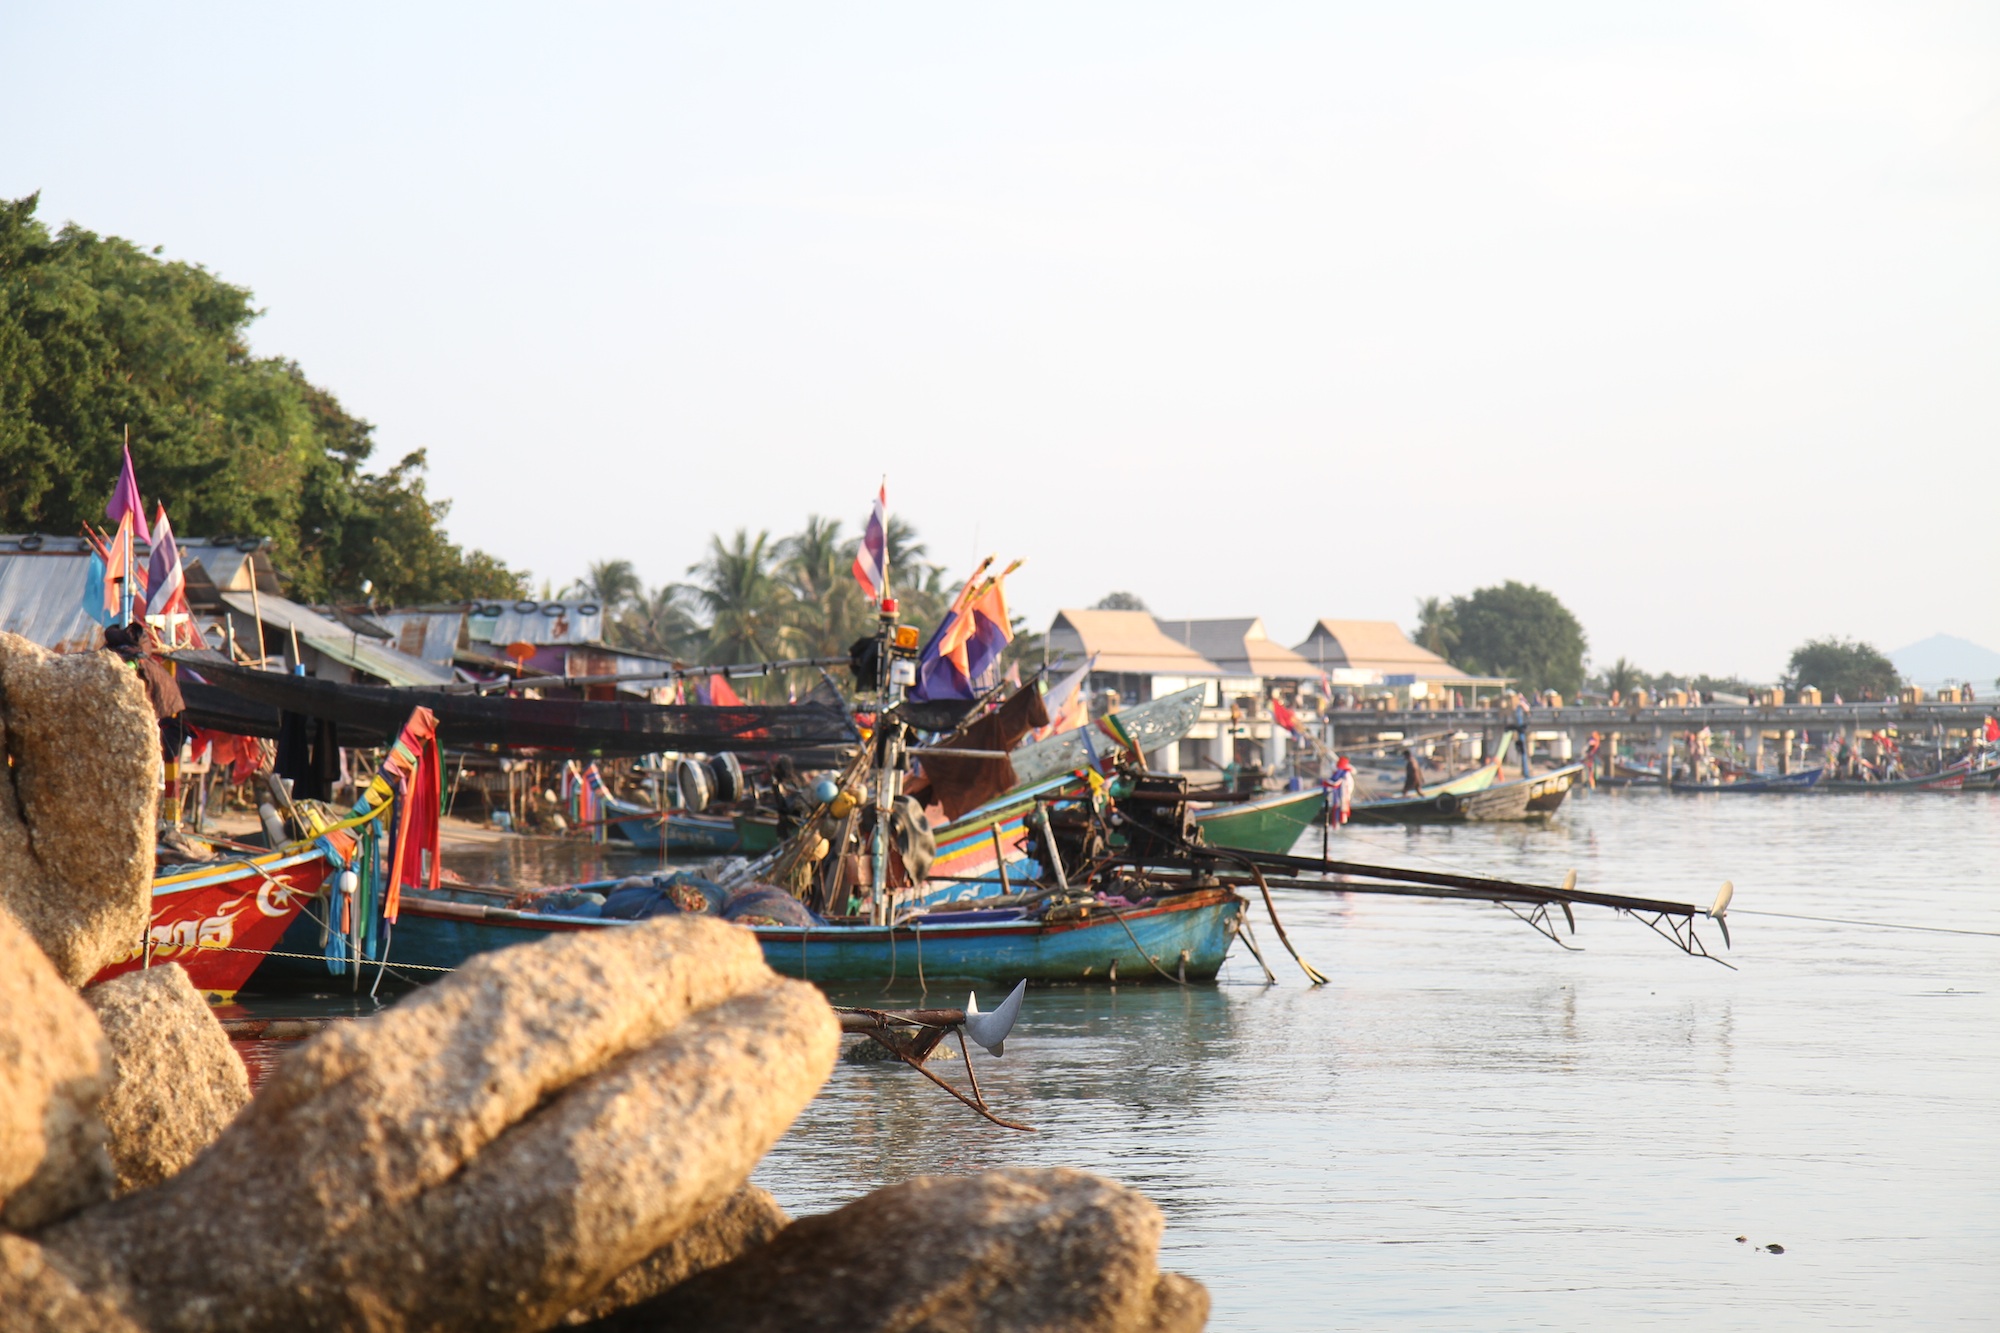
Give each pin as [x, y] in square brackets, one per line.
[1560, 733]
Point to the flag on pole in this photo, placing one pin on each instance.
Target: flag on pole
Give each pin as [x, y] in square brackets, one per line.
[125, 500]
[166, 583]
[1068, 702]
[871, 562]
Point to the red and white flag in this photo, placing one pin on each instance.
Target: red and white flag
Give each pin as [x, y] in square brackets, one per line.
[871, 562]
[166, 583]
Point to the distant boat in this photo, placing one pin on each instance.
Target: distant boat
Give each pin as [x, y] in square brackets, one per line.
[1534, 797]
[1775, 783]
[1952, 779]
[688, 834]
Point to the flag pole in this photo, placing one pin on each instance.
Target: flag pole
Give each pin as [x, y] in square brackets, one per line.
[125, 584]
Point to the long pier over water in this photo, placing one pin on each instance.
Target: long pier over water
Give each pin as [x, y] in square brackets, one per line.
[1751, 724]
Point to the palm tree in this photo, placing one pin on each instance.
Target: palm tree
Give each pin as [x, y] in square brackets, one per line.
[1622, 677]
[818, 568]
[661, 622]
[614, 583]
[1437, 626]
[749, 612]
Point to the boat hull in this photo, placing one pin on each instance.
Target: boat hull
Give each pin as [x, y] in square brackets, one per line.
[1187, 935]
[1269, 824]
[1788, 783]
[219, 922]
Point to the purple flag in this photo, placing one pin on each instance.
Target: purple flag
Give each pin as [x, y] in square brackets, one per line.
[125, 500]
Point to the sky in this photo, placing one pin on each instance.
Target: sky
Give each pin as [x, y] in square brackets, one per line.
[1687, 312]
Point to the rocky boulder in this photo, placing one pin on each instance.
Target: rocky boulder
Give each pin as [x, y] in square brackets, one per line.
[37, 1297]
[54, 1068]
[745, 1220]
[1019, 1251]
[489, 1154]
[78, 804]
[175, 1081]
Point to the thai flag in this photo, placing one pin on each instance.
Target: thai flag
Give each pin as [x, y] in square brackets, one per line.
[166, 583]
[871, 562]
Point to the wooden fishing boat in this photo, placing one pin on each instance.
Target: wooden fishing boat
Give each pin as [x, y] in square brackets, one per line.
[1186, 934]
[1951, 780]
[687, 833]
[218, 921]
[1534, 797]
[1268, 824]
[1767, 783]
[1152, 726]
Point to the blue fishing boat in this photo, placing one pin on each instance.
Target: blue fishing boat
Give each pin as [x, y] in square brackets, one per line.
[1183, 936]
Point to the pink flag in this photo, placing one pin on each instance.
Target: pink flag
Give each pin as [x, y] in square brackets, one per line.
[125, 500]
[871, 562]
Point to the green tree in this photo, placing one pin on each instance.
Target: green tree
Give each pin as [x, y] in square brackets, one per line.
[1622, 677]
[1521, 631]
[817, 568]
[747, 608]
[1436, 630]
[97, 335]
[614, 584]
[1844, 667]
[1121, 601]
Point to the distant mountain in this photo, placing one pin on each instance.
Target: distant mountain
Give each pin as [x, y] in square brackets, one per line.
[1942, 658]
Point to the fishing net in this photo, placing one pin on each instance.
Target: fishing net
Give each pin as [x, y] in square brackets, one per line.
[228, 697]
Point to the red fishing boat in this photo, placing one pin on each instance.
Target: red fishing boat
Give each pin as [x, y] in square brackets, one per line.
[219, 921]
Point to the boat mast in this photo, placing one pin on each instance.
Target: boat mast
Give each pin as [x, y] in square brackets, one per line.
[896, 669]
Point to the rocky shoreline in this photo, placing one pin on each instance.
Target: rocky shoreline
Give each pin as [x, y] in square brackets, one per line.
[560, 1134]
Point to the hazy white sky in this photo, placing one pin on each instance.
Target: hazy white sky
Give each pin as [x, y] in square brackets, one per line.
[1688, 312]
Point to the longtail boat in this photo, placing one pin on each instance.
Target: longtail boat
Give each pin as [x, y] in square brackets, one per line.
[1267, 824]
[1766, 783]
[218, 921]
[1534, 797]
[221, 920]
[688, 833]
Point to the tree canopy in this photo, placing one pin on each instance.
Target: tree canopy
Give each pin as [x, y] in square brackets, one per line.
[97, 334]
[1516, 630]
[1844, 667]
[1121, 601]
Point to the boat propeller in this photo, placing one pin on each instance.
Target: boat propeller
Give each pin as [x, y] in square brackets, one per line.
[990, 1030]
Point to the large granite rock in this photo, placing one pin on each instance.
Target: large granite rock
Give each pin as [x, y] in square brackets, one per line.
[78, 804]
[54, 1067]
[175, 1081]
[745, 1220]
[488, 1154]
[36, 1297]
[1019, 1251]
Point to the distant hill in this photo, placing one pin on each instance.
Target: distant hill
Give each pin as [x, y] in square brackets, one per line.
[1942, 658]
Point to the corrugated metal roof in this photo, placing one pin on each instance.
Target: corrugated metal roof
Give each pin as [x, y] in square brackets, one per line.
[431, 635]
[41, 596]
[539, 623]
[338, 642]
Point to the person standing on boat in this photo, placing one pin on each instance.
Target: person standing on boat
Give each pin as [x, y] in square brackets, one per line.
[1590, 759]
[1520, 729]
[1413, 775]
[1340, 792]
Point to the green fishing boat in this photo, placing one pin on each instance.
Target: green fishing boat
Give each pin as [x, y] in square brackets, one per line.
[1268, 824]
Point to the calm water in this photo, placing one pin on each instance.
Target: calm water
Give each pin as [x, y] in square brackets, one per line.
[1471, 1128]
